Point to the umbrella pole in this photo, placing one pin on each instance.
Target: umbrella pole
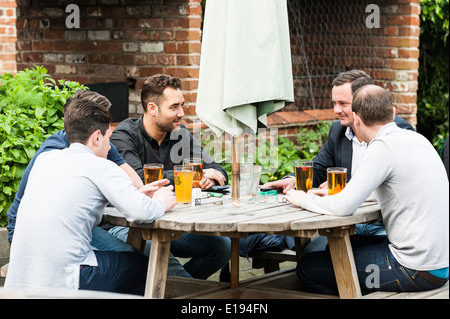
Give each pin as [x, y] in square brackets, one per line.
[235, 170]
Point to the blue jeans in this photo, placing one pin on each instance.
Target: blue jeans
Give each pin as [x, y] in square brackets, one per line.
[103, 240]
[120, 272]
[208, 253]
[376, 229]
[376, 267]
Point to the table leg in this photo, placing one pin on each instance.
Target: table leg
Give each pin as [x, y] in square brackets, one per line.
[343, 263]
[158, 262]
[135, 239]
[234, 262]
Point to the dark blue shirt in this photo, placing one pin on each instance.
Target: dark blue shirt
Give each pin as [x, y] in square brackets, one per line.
[57, 141]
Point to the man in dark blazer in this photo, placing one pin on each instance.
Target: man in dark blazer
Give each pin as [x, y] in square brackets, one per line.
[343, 148]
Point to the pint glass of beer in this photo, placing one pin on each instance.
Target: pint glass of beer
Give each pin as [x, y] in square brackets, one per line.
[303, 175]
[183, 176]
[153, 172]
[197, 165]
[337, 179]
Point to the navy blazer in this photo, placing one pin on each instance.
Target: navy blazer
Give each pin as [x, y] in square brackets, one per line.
[338, 152]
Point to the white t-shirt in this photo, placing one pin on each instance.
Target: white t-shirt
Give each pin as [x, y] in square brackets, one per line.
[411, 185]
[66, 194]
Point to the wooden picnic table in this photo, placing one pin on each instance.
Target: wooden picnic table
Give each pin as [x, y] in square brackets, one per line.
[213, 218]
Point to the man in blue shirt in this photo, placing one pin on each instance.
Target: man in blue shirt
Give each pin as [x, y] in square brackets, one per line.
[101, 239]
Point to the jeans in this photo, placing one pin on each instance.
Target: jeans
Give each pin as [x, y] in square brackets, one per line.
[376, 229]
[103, 240]
[376, 267]
[208, 253]
[320, 242]
[120, 272]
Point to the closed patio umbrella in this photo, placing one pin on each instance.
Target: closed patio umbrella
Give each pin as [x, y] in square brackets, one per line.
[245, 67]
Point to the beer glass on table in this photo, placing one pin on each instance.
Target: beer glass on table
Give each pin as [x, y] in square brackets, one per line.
[153, 172]
[303, 175]
[183, 176]
[197, 165]
[336, 179]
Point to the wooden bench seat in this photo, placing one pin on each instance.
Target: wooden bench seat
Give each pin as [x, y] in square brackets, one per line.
[4, 270]
[270, 260]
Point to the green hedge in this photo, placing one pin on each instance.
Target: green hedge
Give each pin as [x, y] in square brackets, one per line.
[31, 109]
[433, 93]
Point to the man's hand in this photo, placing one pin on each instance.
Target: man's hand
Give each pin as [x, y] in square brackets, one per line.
[213, 174]
[167, 195]
[295, 197]
[206, 183]
[285, 184]
[151, 188]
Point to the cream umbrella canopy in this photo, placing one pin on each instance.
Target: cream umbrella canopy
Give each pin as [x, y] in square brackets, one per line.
[245, 67]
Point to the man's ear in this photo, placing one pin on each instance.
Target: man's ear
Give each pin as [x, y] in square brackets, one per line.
[395, 110]
[356, 119]
[95, 137]
[152, 108]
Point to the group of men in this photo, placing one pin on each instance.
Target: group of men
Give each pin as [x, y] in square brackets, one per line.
[53, 223]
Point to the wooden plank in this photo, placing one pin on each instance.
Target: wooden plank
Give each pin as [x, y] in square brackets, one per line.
[344, 267]
[135, 239]
[365, 214]
[229, 220]
[4, 270]
[234, 262]
[378, 295]
[158, 262]
[429, 294]
[188, 288]
[277, 221]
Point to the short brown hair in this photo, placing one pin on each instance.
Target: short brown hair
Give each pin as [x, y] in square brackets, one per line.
[357, 78]
[89, 95]
[83, 118]
[373, 104]
[154, 87]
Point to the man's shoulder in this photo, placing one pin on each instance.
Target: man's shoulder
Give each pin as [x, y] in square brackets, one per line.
[402, 123]
[127, 124]
[128, 127]
[337, 130]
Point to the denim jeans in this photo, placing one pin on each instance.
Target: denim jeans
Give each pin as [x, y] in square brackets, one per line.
[371, 229]
[208, 253]
[103, 240]
[376, 267]
[120, 272]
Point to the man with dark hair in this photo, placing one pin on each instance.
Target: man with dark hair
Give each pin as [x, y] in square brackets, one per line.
[67, 192]
[408, 177]
[159, 137]
[343, 148]
[59, 141]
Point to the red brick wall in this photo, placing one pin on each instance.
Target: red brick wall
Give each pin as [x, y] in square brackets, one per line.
[328, 37]
[8, 36]
[116, 41]
[132, 39]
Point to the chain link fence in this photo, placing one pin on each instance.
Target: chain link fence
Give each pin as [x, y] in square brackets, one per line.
[329, 37]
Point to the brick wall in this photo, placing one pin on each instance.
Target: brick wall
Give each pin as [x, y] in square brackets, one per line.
[8, 36]
[328, 37]
[117, 40]
[131, 39]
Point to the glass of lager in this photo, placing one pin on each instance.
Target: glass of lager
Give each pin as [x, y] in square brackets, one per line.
[183, 177]
[303, 175]
[153, 172]
[197, 165]
[336, 179]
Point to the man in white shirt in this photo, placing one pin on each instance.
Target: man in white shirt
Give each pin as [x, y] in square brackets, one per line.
[409, 180]
[66, 194]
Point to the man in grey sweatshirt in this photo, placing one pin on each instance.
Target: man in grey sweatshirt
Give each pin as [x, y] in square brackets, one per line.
[410, 182]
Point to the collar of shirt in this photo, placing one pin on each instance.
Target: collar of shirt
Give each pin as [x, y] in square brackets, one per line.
[147, 136]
